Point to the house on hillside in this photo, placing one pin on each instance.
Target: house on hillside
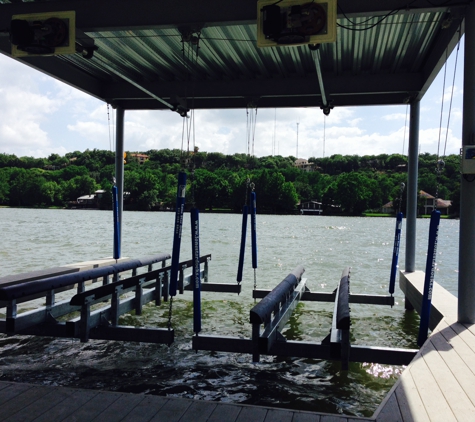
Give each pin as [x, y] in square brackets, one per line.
[140, 158]
[304, 165]
[388, 208]
[428, 202]
[426, 205]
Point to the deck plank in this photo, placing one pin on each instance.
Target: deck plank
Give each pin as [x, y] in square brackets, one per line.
[434, 401]
[41, 406]
[3, 384]
[462, 349]
[278, 415]
[456, 365]
[12, 407]
[93, 407]
[146, 409]
[200, 411]
[333, 418]
[409, 400]
[470, 327]
[252, 414]
[465, 335]
[225, 412]
[172, 410]
[450, 385]
[390, 412]
[305, 417]
[453, 392]
[74, 401]
[123, 406]
[13, 390]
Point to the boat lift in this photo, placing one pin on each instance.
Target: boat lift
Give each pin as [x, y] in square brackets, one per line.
[96, 321]
[99, 320]
[275, 309]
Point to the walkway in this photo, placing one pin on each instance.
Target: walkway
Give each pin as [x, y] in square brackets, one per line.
[439, 383]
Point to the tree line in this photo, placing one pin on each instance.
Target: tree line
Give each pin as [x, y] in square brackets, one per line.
[351, 184]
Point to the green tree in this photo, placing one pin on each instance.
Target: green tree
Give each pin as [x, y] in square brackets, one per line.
[25, 187]
[4, 186]
[148, 190]
[355, 192]
[51, 193]
[274, 194]
[78, 186]
[210, 189]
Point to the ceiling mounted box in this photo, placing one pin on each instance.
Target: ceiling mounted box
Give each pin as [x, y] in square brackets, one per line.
[295, 22]
[43, 34]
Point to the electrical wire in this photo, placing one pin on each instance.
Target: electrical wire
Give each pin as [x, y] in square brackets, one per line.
[442, 102]
[452, 93]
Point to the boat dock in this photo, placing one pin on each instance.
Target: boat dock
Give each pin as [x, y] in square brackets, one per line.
[436, 386]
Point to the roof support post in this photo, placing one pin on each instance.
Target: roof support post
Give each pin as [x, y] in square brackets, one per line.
[412, 170]
[466, 276]
[119, 165]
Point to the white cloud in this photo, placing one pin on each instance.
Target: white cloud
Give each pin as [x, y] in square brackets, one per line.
[96, 133]
[395, 116]
[39, 115]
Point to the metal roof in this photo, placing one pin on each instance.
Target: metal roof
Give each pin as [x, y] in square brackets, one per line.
[387, 52]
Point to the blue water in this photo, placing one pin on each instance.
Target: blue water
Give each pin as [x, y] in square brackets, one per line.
[34, 239]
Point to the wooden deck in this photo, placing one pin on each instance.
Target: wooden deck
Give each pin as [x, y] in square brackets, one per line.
[25, 402]
[439, 385]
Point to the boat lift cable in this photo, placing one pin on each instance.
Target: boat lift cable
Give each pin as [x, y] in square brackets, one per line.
[191, 57]
[315, 50]
[251, 120]
[180, 198]
[452, 92]
[440, 161]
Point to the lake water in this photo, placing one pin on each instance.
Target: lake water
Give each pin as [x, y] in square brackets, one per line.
[34, 239]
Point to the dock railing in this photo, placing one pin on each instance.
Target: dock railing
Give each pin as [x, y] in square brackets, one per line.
[93, 312]
[150, 286]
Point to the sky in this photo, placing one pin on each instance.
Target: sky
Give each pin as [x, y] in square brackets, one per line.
[40, 116]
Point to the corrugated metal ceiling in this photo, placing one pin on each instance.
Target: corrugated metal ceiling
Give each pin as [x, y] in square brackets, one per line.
[230, 52]
[378, 58]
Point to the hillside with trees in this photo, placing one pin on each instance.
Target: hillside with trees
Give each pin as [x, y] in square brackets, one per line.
[351, 184]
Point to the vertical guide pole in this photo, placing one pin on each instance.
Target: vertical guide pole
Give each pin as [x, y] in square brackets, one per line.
[115, 210]
[253, 230]
[180, 207]
[397, 242]
[429, 276]
[119, 167]
[411, 208]
[195, 252]
[245, 212]
[466, 283]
